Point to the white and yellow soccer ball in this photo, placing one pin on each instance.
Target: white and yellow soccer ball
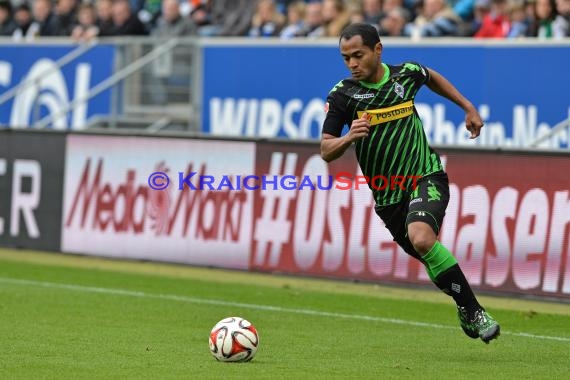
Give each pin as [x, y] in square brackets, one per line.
[234, 339]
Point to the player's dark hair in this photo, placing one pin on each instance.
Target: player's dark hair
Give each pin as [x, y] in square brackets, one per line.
[368, 33]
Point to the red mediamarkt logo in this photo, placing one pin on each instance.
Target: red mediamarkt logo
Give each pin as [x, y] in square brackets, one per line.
[127, 206]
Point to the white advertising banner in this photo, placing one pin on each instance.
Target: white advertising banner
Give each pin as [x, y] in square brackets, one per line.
[143, 198]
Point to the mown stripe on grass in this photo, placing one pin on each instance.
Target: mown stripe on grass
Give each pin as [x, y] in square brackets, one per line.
[330, 286]
[319, 313]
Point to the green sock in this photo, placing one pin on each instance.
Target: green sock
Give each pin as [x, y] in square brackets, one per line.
[438, 260]
[429, 273]
[443, 270]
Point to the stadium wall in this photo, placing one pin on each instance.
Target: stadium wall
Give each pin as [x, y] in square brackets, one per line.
[507, 222]
[31, 184]
[252, 88]
[279, 89]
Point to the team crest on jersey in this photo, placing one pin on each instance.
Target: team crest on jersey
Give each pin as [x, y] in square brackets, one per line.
[399, 89]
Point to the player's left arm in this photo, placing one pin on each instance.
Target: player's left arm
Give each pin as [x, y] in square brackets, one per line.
[440, 85]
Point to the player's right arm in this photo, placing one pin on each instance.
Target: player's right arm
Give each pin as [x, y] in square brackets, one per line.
[332, 147]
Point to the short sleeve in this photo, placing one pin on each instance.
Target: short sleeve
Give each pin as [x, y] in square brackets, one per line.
[335, 115]
[419, 72]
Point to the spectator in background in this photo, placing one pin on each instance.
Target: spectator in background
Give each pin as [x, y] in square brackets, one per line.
[335, 17]
[561, 26]
[545, 11]
[283, 5]
[171, 23]
[45, 23]
[463, 8]
[136, 5]
[23, 19]
[496, 23]
[530, 16]
[436, 19]
[388, 5]
[371, 11]
[393, 23]
[86, 27]
[294, 23]
[313, 23]
[517, 18]
[65, 15]
[7, 24]
[200, 16]
[165, 71]
[230, 18]
[356, 13]
[481, 8]
[266, 21]
[125, 23]
[149, 13]
[104, 10]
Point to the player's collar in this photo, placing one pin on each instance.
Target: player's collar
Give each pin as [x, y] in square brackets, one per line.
[384, 79]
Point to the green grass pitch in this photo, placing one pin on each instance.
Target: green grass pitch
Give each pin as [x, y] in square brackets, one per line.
[72, 317]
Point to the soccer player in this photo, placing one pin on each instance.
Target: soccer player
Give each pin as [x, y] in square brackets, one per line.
[377, 104]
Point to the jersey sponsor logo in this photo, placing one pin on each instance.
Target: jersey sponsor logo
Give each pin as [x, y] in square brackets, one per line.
[384, 115]
[363, 96]
[399, 89]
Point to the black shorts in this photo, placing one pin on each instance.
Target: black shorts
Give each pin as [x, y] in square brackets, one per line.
[427, 204]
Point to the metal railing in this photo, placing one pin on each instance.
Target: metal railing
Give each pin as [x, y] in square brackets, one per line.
[160, 92]
[558, 128]
[154, 84]
[61, 62]
[113, 80]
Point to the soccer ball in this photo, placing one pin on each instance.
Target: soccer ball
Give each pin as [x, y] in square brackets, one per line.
[233, 339]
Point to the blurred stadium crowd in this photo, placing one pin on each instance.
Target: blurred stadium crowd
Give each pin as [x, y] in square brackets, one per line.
[26, 20]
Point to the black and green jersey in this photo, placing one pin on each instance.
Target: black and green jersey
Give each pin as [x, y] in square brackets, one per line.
[397, 146]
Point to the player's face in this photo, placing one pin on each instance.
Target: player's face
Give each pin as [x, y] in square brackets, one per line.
[362, 61]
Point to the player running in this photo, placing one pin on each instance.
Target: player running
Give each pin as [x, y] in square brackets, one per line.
[377, 104]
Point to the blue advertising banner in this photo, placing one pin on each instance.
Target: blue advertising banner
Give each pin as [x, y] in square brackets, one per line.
[51, 89]
[279, 90]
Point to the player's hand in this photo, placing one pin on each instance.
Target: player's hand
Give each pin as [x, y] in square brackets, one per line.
[473, 123]
[359, 128]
